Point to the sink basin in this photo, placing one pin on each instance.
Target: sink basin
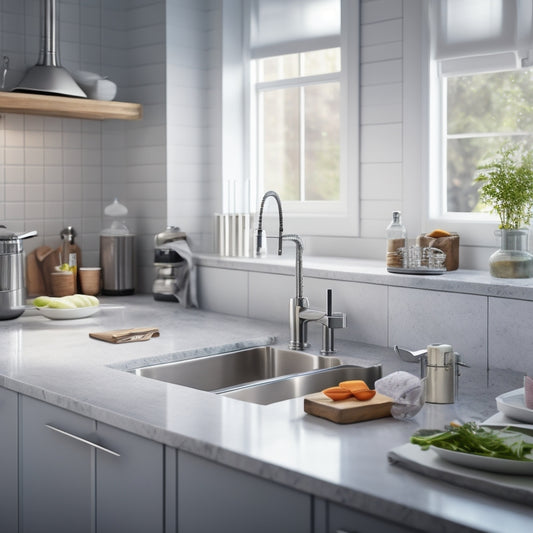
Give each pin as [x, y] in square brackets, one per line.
[225, 370]
[296, 386]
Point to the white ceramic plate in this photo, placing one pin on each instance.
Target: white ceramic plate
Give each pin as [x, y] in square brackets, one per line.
[68, 314]
[512, 404]
[489, 464]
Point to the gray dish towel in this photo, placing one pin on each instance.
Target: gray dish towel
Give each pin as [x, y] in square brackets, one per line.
[185, 286]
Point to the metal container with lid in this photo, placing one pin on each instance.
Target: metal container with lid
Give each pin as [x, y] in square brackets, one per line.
[12, 286]
[117, 253]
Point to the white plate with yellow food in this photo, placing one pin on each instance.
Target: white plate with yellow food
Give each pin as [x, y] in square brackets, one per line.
[67, 307]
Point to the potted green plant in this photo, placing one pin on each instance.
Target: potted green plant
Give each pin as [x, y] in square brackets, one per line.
[507, 186]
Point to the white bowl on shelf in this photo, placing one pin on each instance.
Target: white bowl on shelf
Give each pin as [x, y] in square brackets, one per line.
[95, 86]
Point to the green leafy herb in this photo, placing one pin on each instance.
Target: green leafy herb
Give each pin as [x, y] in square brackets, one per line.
[507, 186]
[470, 438]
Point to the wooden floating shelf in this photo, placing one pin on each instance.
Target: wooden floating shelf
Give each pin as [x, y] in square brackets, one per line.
[64, 106]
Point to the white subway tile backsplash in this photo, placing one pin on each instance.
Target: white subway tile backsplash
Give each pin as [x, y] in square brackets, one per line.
[14, 137]
[14, 211]
[382, 72]
[53, 192]
[268, 296]
[381, 181]
[52, 139]
[381, 114]
[34, 156]
[380, 210]
[379, 10]
[510, 334]
[34, 174]
[14, 174]
[53, 173]
[72, 157]
[33, 193]
[14, 156]
[14, 193]
[381, 32]
[381, 143]
[390, 93]
[381, 52]
[223, 290]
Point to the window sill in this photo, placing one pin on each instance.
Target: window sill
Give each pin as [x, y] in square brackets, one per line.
[463, 281]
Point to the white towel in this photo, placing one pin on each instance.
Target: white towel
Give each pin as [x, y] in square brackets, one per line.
[406, 391]
[185, 286]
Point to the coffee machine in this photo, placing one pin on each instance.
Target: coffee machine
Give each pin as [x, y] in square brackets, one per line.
[167, 262]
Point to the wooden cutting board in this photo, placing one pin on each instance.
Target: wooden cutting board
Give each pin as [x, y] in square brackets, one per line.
[349, 410]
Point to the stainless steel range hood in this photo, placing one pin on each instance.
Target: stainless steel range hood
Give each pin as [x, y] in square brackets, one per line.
[48, 76]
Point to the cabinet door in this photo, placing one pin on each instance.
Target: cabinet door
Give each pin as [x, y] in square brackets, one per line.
[345, 520]
[129, 488]
[8, 461]
[56, 471]
[213, 497]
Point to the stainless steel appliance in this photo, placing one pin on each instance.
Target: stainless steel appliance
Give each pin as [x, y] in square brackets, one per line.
[12, 285]
[167, 262]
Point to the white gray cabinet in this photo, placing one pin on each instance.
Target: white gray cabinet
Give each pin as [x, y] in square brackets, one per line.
[8, 461]
[80, 475]
[212, 497]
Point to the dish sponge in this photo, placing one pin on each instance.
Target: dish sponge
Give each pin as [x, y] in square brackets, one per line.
[528, 392]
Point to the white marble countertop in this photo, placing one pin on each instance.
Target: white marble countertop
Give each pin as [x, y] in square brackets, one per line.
[371, 271]
[57, 362]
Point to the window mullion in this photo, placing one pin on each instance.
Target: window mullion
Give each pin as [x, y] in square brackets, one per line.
[302, 145]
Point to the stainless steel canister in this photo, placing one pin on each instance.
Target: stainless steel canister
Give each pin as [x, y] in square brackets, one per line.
[117, 259]
[441, 382]
[12, 286]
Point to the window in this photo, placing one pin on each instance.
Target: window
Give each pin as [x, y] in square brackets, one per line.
[298, 125]
[481, 97]
[484, 111]
[304, 109]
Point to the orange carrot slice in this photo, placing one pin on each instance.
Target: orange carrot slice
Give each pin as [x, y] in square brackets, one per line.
[364, 395]
[354, 385]
[337, 393]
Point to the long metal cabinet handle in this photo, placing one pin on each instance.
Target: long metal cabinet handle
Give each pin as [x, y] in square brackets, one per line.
[85, 441]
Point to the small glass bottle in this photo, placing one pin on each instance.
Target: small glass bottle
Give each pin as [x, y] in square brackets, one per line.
[396, 238]
[68, 251]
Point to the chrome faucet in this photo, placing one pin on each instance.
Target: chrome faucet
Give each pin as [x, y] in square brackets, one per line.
[300, 313]
[259, 242]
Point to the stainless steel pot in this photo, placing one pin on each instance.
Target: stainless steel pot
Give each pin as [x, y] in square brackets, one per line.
[12, 286]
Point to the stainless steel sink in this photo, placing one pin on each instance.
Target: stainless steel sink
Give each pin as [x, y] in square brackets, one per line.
[293, 387]
[215, 372]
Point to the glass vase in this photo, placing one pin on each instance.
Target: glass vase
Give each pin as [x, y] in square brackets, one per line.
[513, 259]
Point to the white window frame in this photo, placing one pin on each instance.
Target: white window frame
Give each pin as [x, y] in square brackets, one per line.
[475, 229]
[327, 218]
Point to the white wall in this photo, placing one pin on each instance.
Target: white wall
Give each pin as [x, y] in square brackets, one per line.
[57, 172]
[167, 56]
